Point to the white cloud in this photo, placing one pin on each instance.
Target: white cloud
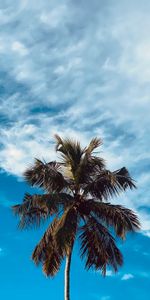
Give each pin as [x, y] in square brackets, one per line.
[68, 73]
[109, 273]
[145, 221]
[127, 276]
[146, 233]
[19, 48]
[33, 142]
[56, 17]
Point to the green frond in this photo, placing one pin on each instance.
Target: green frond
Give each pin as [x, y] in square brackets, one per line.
[121, 218]
[98, 247]
[46, 176]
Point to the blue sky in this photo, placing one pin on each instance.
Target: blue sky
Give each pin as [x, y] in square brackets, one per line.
[79, 69]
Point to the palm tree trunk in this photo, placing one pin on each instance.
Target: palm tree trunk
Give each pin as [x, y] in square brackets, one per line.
[67, 276]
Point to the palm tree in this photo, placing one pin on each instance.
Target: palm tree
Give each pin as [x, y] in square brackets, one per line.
[76, 194]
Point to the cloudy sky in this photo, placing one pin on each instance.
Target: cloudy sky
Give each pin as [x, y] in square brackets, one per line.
[79, 68]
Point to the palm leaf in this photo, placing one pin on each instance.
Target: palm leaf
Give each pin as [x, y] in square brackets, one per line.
[36, 208]
[124, 179]
[69, 186]
[71, 152]
[66, 230]
[47, 252]
[106, 184]
[88, 167]
[98, 247]
[121, 218]
[56, 242]
[46, 175]
[95, 143]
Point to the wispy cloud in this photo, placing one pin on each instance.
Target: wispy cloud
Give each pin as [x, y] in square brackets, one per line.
[109, 273]
[127, 276]
[67, 72]
[105, 298]
[147, 233]
[97, 297]
[2, 252]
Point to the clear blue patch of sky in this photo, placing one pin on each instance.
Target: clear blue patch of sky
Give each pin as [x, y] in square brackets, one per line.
[20, 278]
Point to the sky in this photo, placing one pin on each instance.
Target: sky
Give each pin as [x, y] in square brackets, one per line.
[79, 68]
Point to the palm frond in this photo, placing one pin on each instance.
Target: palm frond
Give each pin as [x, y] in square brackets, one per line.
[107, 184]
[47, 253]
[32, 211]
[56, 242]
[69, 186]
[36, 208]
[59, 142]
[46, 175]
[71, 152]
[95, 143]
[124, 179]
[98, 247]
[89, 166]
[66, 230]
[121, 218]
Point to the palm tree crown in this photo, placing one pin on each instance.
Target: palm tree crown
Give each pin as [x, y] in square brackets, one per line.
[77, 191]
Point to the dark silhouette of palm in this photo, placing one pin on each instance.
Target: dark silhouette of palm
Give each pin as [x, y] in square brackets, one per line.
[76, 193]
